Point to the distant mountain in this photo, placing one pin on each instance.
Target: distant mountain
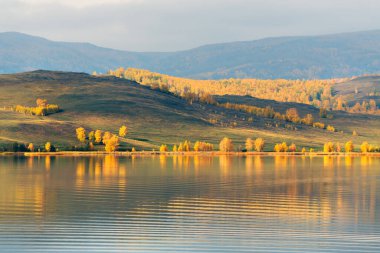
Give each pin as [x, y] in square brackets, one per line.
[309, 57]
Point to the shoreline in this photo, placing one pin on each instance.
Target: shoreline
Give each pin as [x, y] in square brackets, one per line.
[191, 153]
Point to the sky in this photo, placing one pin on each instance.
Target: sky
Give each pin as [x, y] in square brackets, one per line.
[172, 25]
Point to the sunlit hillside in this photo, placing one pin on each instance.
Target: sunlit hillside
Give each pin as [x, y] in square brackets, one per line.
[156, 117]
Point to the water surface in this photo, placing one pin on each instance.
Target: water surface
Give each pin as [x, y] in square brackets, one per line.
[204, 204]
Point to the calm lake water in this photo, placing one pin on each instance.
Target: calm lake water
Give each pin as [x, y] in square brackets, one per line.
[203, 204]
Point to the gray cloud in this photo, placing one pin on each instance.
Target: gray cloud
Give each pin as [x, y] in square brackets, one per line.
[168, 25]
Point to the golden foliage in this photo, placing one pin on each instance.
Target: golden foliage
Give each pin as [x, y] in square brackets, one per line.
[111, 144]
[328, 147]
[98, 136]
[349, 147]
[203, 146]
[123, 131]
[48, 146]
[259, 144]
[81, 134]
[226, 145]
[163, 148]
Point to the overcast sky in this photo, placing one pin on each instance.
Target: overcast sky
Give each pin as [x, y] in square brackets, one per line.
[170, 25]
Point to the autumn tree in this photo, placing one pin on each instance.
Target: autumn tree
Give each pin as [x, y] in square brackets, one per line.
[81, 134]
[349, 147]
[249, 144]
[111, 143]
[91, 136]
[41, 102]
[123, 131]
[163, 148]
[328, 147]
[31, 147]
[365, 147]
[98, 136]
[226, 145]
[259, 144]
[308, 119]
[106, 136]
[175, 149]
[292, 115]
[293, 147]
[48, 146]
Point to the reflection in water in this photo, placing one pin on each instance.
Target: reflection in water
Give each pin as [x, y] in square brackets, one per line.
[183, 203]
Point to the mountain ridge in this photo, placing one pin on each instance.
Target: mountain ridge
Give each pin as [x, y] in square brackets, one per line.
[290, 57]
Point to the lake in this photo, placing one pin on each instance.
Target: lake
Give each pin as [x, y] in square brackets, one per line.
[189, 203]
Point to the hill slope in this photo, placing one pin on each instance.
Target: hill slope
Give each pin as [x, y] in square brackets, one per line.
[320, 57]
[153, 117]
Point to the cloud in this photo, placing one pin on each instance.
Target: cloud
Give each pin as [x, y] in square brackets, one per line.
[169, 25]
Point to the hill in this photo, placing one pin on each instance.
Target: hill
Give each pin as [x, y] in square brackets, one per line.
[154, 117]
[309, 57]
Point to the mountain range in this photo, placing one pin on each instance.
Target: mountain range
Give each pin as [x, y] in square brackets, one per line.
[307, 57]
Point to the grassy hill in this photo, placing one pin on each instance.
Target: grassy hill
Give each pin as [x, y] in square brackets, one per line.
[153, 117]
[308, 57]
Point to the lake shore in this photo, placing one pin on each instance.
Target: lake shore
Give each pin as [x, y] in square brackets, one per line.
[191, 153]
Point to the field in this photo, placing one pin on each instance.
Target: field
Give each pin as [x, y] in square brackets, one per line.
[154, 117]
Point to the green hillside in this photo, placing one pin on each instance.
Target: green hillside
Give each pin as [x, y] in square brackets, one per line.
[152, 116]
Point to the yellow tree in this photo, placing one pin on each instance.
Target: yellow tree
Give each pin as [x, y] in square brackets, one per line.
[41, 102]
[81, 134]
[328, 147]
[111, 143]
[163, 148]
[123, 131]
[48, 146]
[259, 144]
[365, 147]
[197, 146]
[91, 136]
[31, 147]
[98, 136]
[175, 149]
[106, 136]
[349, 147]
[249, 144]
[226, 145]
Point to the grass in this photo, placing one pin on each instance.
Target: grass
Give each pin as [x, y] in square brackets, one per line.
[153, 117]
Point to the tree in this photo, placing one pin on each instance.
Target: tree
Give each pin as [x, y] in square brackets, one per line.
[91, 136]
[328, 147]
[31, 147]
[197, 146]
[133, 149]
[98, 136]
[106, 136]
[293, 147]
[281, 147]
[48, 146]
[111, 144]
[41, 102]
[81, 134]
[349, 147]
[308, 120]
[249, 144]
[163, 148]
[259, 144]
[226, 145]
[292, 115]
[123, 131]
[365, 147]
[175, 149]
